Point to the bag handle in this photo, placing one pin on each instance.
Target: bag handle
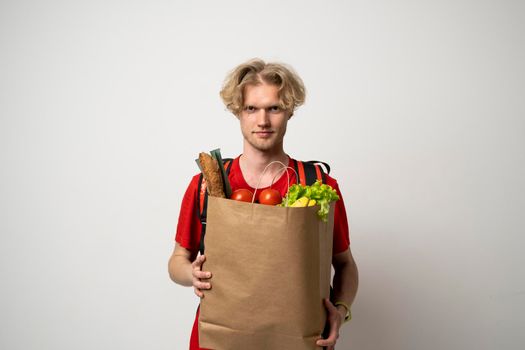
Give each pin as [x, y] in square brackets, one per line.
[283, 167]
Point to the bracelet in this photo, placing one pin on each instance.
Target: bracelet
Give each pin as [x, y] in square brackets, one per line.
[348, 316]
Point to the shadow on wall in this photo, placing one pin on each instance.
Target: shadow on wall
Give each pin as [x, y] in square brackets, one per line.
[377, 312]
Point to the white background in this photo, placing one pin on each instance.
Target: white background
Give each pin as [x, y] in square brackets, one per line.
[417, 105]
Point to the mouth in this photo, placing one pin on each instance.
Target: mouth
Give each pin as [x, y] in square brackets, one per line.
[263, 133]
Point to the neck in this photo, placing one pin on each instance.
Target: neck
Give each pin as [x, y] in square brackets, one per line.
[256, 160]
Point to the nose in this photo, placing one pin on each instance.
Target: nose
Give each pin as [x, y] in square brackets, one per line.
[263, 118]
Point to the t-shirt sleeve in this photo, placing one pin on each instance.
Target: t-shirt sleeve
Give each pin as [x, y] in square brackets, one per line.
[341, 229]
[189, 227]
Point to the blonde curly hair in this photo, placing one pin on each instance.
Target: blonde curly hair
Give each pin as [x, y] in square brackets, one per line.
[254, 72]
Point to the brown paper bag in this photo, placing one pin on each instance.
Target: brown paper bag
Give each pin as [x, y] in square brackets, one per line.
[271, 270]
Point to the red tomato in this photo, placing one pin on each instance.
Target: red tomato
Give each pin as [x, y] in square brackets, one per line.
[242, 195]
[270, 196]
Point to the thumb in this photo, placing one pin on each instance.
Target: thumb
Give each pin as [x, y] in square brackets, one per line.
[329, 305]
[199, 261]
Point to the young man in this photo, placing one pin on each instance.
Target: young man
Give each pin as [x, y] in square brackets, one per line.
[263, 96]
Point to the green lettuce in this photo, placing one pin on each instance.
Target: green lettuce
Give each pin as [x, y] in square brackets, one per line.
[322, 193]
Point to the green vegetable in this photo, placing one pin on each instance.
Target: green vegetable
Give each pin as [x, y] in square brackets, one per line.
[323, 194]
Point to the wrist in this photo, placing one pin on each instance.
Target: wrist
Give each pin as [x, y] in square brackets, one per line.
[346, 314]
[342, 312]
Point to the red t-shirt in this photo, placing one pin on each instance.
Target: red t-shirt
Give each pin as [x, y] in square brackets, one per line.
[189, 226]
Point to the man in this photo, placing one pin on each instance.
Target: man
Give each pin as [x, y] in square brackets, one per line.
[263, 96]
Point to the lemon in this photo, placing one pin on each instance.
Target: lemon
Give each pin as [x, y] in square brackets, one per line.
[301, 202]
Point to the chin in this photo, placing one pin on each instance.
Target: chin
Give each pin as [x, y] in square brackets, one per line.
[263, 146]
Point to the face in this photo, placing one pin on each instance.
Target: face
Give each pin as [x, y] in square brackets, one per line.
[263, 122]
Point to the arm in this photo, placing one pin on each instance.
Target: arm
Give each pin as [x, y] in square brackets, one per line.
[184, 268]
[345, 289]
[346, 279]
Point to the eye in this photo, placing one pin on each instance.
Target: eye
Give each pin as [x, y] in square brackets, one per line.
[275, 109]
[249, 108]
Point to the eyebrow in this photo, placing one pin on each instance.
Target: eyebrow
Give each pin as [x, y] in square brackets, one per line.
[270, 106]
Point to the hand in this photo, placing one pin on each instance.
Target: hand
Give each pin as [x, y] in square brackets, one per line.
[200, 278]
[335, 319]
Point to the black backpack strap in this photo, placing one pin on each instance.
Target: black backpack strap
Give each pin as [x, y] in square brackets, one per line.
[296, 168]
[228, 162]
[202, 201]
[202, 205]
[326, 166]
[314, 171]
[310, 173]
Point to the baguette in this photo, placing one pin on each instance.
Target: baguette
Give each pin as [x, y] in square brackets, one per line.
[212, 175]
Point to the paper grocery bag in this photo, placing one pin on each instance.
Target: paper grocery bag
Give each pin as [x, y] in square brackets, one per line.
[271, 270]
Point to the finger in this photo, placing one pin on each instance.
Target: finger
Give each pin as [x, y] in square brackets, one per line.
[325, 342]
[198, 262]
[198, 293]
[332, 336]
[201, 285]
[201, 274]
[334, 333]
